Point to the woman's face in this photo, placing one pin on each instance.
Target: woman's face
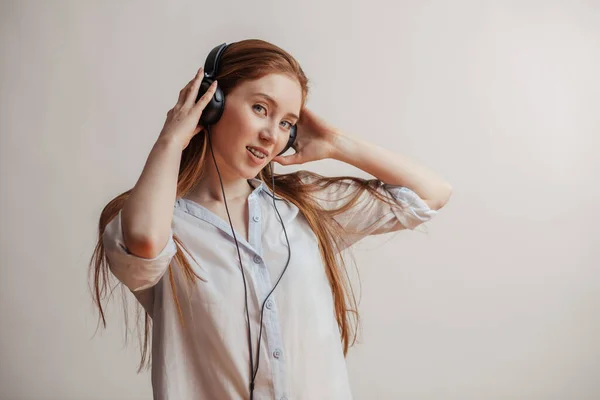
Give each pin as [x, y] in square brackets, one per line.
[258, 114]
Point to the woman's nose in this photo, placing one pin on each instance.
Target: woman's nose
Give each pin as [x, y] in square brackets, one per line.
[267, 134]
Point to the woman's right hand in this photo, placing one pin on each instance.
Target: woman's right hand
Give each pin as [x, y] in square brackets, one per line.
[182, 122]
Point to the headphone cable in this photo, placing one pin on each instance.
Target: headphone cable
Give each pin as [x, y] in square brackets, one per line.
[253, 371]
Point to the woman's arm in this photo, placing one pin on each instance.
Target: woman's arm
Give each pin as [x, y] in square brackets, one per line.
[317, 140]
[148, 211]
[391, 168]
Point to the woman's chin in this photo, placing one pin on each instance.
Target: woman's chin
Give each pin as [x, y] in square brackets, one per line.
[250, 172]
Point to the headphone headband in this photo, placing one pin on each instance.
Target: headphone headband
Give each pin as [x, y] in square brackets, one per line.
[211, 65]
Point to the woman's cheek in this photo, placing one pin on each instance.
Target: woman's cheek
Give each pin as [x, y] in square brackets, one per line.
[247, 119]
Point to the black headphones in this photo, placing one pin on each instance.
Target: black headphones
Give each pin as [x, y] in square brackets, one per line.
[214, 109]
[211, 114]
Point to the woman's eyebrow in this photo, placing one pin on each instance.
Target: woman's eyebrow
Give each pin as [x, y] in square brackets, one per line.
[272, 100]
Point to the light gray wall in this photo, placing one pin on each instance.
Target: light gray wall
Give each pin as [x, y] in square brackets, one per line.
[499, 300]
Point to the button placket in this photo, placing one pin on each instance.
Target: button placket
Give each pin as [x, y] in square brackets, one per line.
[255, 227]
[272, 328]
[270, 304]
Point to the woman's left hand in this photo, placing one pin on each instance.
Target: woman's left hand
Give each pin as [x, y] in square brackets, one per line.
[315, 140]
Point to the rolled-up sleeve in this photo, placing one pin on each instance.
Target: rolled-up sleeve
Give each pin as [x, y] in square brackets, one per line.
[135, 272]
[370, 215]
[414, 210]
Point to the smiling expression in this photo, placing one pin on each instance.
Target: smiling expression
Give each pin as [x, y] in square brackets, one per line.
[258, 114]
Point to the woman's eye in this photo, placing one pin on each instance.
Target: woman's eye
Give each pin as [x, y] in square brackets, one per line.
[259, 106]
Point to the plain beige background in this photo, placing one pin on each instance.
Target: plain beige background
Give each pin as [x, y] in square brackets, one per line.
[499, 299]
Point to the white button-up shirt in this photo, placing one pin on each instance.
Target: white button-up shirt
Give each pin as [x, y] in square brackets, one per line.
[207, 357]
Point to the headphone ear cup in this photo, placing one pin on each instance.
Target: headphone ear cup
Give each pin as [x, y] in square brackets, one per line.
[291, 140]
[216, 105]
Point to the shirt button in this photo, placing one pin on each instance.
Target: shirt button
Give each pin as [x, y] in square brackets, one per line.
[277, 353]
[257, 259]
[256, 218]
[269, 304]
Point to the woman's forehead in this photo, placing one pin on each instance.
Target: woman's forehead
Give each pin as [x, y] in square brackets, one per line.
[283, 89]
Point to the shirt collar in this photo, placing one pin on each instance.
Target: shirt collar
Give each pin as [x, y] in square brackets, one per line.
[259, 185]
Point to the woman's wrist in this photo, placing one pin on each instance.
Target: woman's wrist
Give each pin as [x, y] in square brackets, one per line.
[169, 141]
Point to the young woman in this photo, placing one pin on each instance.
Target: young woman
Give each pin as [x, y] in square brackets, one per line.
[239, 270]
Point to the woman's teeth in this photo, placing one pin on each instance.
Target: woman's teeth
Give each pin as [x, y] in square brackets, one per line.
[256, 153]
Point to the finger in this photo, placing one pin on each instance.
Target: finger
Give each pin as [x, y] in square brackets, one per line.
[203, 101]
[287, 160]
[194, 85]
[198, 130]
[183, 93]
